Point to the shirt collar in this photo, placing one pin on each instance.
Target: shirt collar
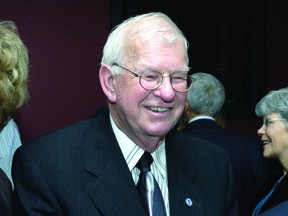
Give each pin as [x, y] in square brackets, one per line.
[132, 152]
[201, 117]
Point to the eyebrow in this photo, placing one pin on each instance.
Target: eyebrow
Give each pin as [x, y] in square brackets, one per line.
[151, 68]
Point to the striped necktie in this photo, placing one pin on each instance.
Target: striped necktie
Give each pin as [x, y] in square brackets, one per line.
[148, 188]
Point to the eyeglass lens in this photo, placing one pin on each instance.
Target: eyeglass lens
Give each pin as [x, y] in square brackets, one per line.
[180, 82]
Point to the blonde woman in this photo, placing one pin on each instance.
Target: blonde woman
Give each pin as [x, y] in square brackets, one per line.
[13, 90]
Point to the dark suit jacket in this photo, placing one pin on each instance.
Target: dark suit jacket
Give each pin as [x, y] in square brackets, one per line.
[278, 210]
[277, 202]
[5, 195]
[245, 153]
[80, 170]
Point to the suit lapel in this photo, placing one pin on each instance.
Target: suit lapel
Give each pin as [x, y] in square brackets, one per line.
[184, 197]
[113, 191]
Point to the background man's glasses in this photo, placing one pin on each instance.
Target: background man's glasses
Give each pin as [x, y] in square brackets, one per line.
[150, 80]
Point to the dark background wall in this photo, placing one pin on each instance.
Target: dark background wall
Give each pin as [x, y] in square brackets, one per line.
[274, 74]
[65, 40]
[241, 42]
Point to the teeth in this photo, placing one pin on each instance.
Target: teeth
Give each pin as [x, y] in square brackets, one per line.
[159, 109]
[265, 142]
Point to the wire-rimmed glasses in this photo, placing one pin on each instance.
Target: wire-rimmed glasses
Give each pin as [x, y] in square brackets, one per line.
[150, 80]
[267, 121]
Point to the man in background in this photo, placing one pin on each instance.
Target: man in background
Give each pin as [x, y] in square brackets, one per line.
[204, 103]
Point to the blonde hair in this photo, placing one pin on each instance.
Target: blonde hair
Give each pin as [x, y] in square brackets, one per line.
[13, 71]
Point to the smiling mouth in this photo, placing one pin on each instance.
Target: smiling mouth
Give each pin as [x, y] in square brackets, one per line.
[158, 109]
[266, 142]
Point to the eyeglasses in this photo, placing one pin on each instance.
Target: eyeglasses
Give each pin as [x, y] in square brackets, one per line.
[150, 80]
[268, 122]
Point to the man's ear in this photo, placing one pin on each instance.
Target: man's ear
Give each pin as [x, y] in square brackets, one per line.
[187, 112]
[187, 106]
[107, 82]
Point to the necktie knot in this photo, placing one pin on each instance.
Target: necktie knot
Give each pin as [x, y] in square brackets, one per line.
[144, 163]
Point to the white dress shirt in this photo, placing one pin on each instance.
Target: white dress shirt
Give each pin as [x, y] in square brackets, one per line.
[9, 142]
[132, 153]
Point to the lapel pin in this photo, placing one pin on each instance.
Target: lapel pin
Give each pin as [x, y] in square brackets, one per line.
[188, 202]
